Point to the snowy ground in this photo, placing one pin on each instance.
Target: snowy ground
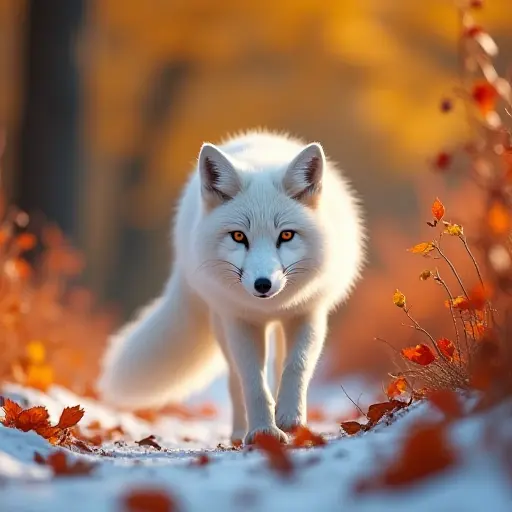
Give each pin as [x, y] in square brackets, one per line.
[239, 480]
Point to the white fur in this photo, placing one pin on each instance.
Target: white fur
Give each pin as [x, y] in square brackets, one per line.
[261, 184]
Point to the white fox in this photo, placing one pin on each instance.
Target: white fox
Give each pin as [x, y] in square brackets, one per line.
[268, 238]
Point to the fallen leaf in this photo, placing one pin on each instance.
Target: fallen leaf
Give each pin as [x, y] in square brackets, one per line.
[438, 209]
[420, 354]
[70, 417]
[446, 347]
[201, 460]
[351, 427]
[278, 459]
[305, 438]
[447, 402]
[32, 419]
[61, 466]
[399, 299]
[148, 500]
[149, 441]
[425, 452]
[12, 410]
[377, 411]
[424, 248]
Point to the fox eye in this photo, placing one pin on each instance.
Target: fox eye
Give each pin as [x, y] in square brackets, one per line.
[239, 237]
[285, 236]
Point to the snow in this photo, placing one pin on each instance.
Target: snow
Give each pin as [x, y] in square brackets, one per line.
[241, 480]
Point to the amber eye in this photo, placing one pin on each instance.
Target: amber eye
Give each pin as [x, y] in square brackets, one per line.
[239, 238]
[286, 236]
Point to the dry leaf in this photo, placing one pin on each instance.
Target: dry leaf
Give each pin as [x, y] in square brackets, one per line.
[201, 460]
[305, 438]
[420, 354]
[426, 274]
[377, 411]
[61, 466]
[277, 457]
[148, 500]
[12, 410]
[399, 299]
[438, 209]
[453, 229]
[149, 441]
[424, 248]
[70, 417]
[33, 419]
[351, 427]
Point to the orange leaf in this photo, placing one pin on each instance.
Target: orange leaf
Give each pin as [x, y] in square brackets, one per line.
[70, 417]
[61, 466]
[148, 500]
[351, 427]
[278, 459]
[32, 418]
[453, 229]
[420, 354]
[447, 402]
[305, 438]
[426, 274]
[396, 387]
[423, 248]
[438, 209]
[459, 302]
[425, 452]
[446, 347]
[377, 411]
[12, 411]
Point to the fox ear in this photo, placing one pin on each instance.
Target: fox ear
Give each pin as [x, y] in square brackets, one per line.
[303, 178]
[219, 179]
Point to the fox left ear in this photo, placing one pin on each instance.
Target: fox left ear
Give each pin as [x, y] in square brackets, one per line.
[303, 178]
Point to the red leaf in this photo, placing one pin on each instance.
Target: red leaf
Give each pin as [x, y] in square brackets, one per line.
[278, 459]
[148, 500]
[305, 438]
[201, 460]
[420, 354]
[351, 427]
[446, 347]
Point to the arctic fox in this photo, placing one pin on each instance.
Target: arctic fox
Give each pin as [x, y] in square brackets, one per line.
[268, 238]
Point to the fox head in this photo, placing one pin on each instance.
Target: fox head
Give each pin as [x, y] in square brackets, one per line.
[260, 233]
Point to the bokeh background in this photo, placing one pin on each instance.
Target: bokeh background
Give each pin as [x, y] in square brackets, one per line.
[105, 104]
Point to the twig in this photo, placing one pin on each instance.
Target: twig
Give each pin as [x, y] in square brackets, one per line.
[355, 404]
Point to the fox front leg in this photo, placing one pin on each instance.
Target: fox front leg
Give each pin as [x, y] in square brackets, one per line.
[247, 347]
[305, 338]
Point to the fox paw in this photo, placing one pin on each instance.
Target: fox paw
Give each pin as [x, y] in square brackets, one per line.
[237, 437]
[272, 430]
[290, 423]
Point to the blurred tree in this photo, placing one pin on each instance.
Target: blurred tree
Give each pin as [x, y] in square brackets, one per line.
[48, 177]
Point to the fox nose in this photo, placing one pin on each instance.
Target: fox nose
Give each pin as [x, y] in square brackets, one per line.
[262, 285]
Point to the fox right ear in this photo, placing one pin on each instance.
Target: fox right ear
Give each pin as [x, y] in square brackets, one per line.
[219, 180]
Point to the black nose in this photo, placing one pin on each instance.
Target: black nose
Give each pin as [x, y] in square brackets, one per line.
[262, 285]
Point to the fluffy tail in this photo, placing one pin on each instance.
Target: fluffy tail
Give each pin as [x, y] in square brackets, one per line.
[166, 354]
